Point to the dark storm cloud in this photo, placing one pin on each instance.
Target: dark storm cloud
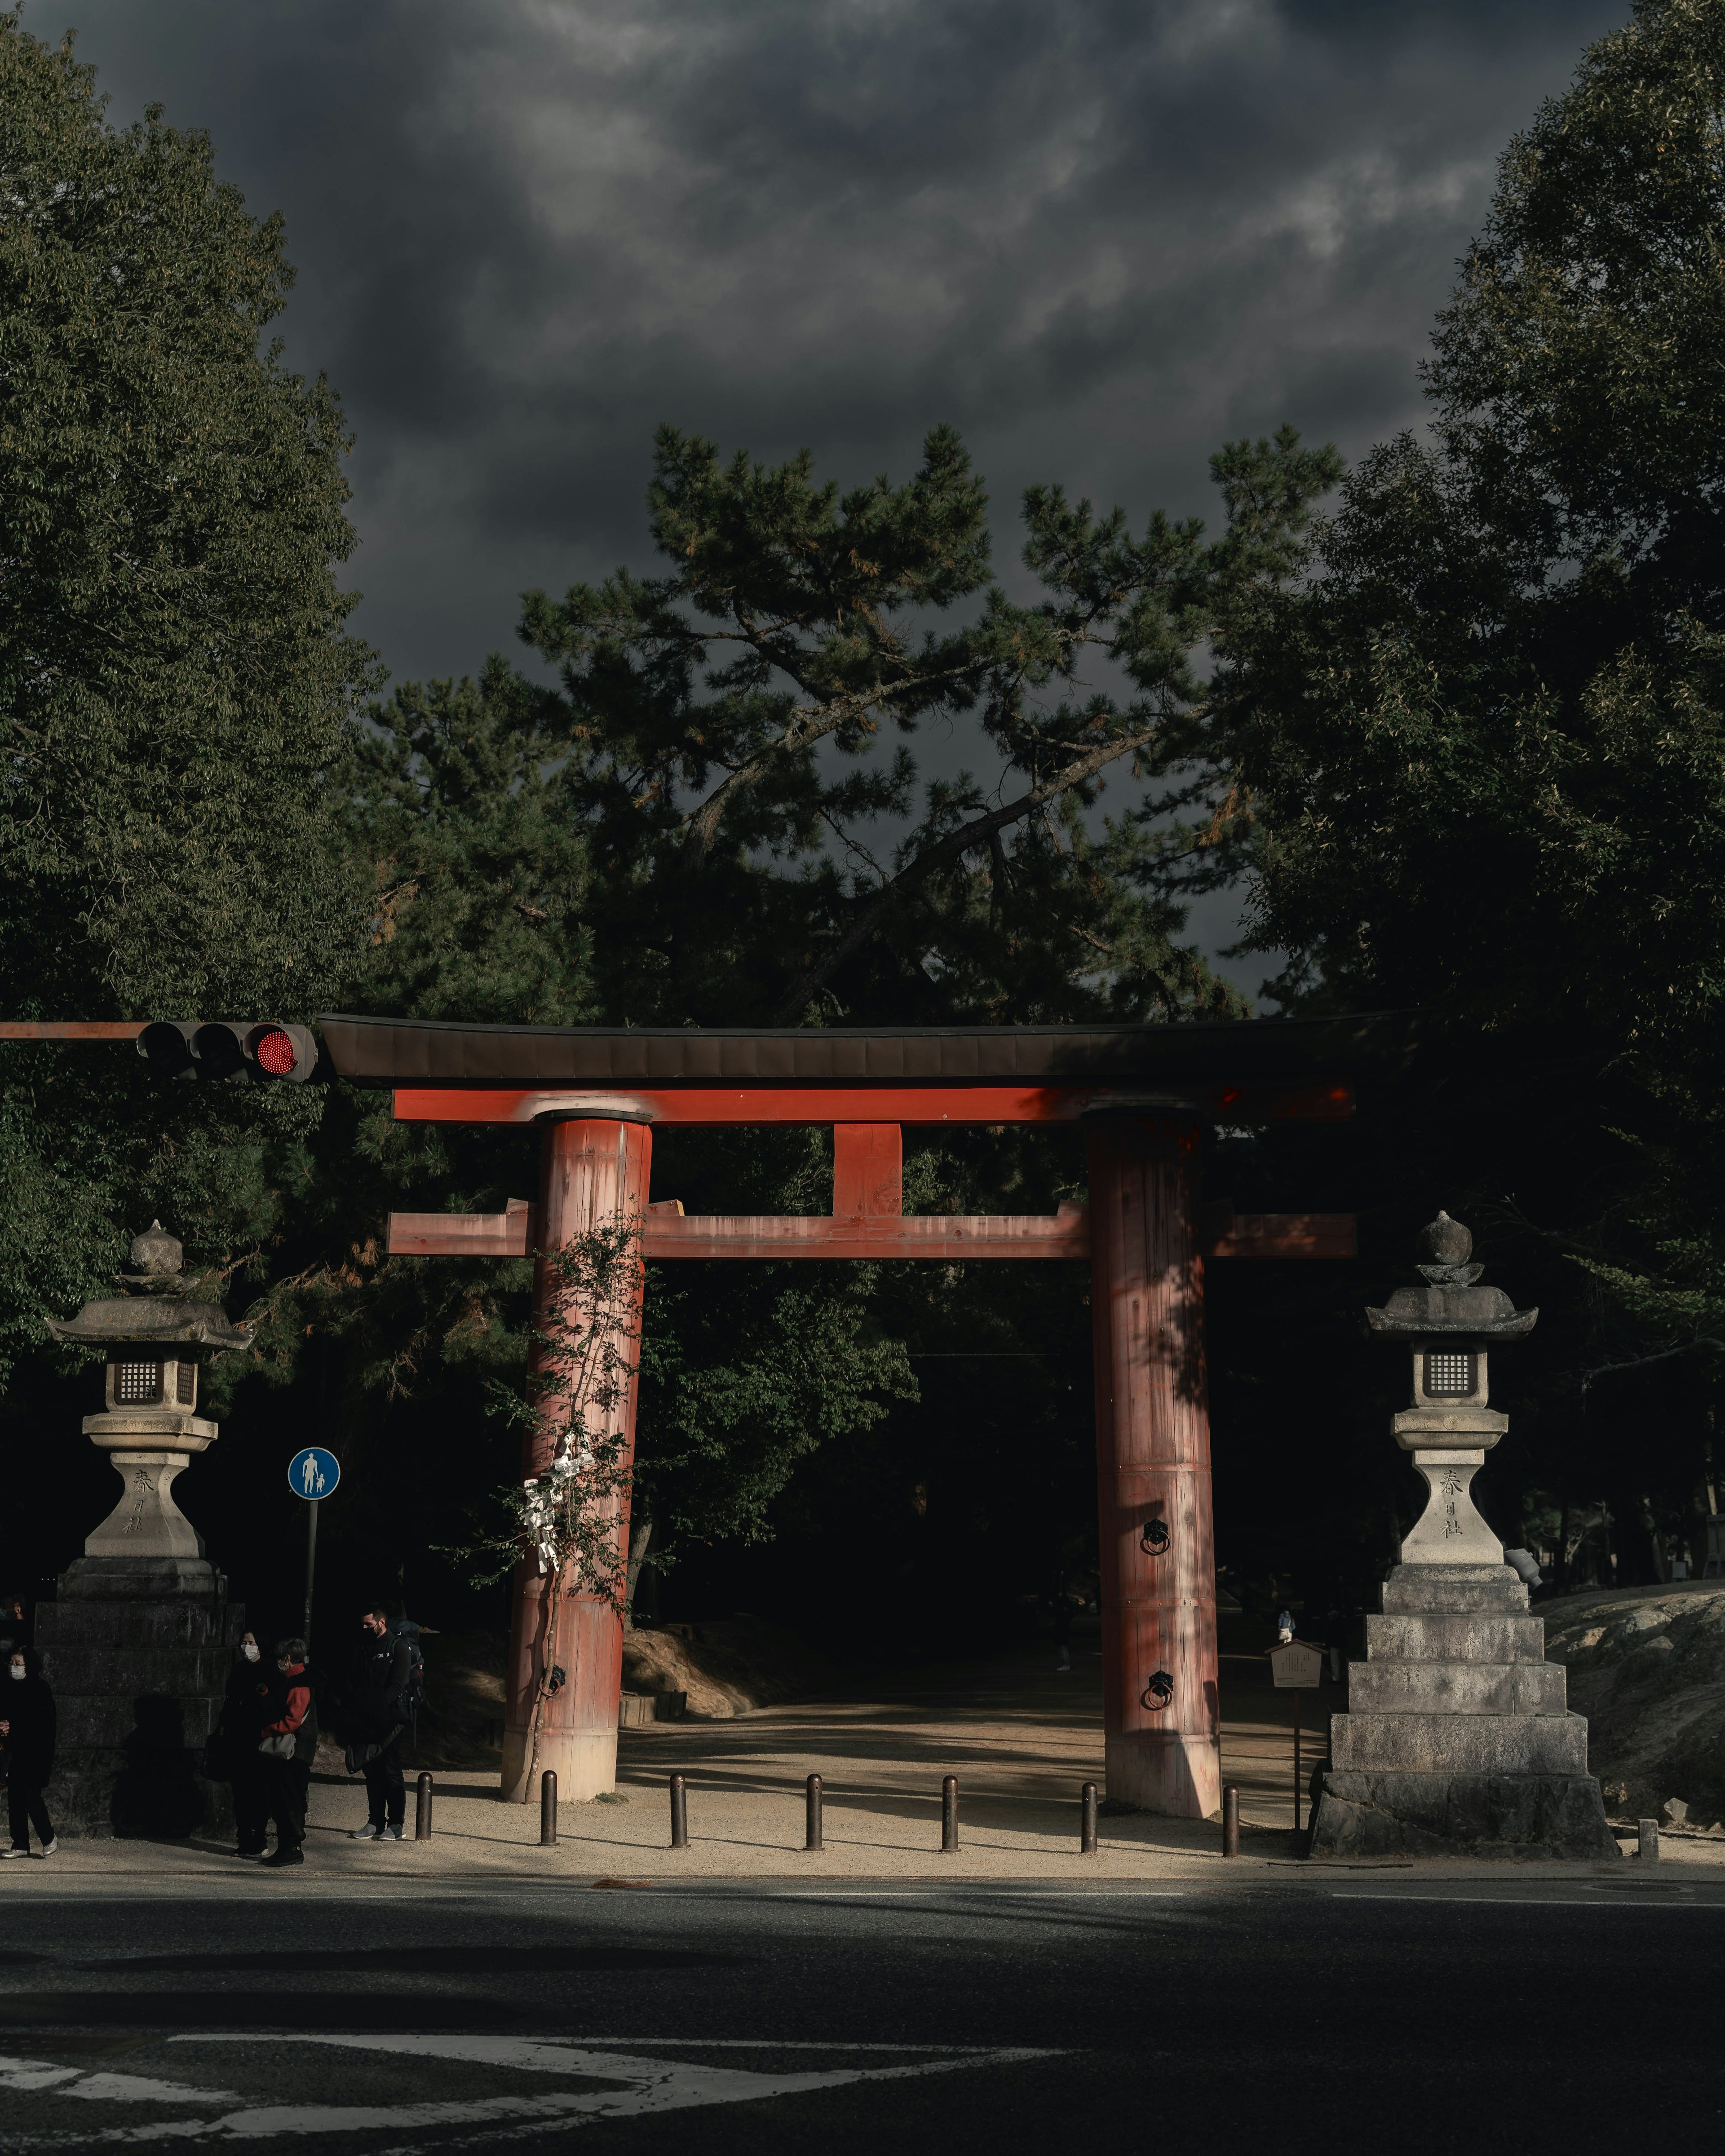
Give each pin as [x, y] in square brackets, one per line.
[1098, 238]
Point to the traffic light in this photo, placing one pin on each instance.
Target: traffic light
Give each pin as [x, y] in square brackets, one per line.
[190, 1048]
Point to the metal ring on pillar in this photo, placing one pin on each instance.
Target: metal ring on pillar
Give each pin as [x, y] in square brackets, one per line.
[567, 1107]
[1162, 1686]
[1153, 1539]
[1180, 1106]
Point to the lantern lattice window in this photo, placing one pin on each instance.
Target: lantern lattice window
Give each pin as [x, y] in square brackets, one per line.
[1449, 1374]
[138, 1384]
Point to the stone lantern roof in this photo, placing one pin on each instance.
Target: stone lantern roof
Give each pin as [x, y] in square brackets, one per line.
[1451, 1304]
[156, 1309]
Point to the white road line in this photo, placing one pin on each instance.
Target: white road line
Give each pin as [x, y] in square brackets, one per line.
[1527, 1902]
[639, 2085]
[33, 2076]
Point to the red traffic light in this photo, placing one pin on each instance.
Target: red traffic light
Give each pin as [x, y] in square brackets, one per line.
[273, 1046]
[183, 1048]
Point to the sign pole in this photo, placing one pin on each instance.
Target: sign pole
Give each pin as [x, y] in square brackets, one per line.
[312, 1511]
[1296, 1752]
[312, 1475]
[1296, 1667]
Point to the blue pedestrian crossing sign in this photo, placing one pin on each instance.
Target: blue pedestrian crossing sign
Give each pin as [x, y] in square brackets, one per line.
[313, 1473]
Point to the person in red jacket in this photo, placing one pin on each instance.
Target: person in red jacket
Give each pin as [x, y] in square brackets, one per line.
[287, 1746]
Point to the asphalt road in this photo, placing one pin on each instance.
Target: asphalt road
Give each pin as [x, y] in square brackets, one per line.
[1367, 2010]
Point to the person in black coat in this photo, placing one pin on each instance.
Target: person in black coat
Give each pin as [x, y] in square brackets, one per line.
[27, 1727]
[376, 1720]
[239, 1729]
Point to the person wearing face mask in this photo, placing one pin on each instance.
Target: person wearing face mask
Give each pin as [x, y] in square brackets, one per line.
[377, 1720]
[239, 1729]
[27, 1727]
[287, 1747]
[14, 1624]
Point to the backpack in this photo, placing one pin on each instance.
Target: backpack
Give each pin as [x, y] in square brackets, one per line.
[412, 1697]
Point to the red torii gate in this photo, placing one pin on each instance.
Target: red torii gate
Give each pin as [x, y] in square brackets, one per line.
[1144, 1093]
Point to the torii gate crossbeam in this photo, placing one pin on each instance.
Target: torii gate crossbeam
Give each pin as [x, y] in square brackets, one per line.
[596, 1095]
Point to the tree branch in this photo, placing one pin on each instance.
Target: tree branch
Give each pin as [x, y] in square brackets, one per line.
[806, 726]
[948, 849]
[1640, 1362]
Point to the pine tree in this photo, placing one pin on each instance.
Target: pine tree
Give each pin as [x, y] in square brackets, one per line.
[724, 728]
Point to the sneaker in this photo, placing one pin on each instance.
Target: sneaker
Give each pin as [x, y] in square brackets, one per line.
[368, 1832]
[285, 1856]
[251, 1856]
[396, 1830]
[49, 1847]
[14, 1851]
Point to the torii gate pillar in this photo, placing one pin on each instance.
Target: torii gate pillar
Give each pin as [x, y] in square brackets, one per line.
[591, 1172]
[1154, 1465]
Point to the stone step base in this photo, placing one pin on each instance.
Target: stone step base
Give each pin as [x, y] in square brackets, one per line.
[1476, 1815]
[1459, 1743]
[136, 1624]
[1415, 1589]
[118, 1672]
[99, 1791]
[184, 1718]
[1390, 1687]
[141, 1578]
[1455, 1637]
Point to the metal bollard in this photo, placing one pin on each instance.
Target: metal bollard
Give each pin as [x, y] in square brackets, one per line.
[1087, 1819]
[1647, 1848]
[547, 1809]
[1230, 1821]
[812, 1840]
[949, 1815]
[680, 1812]
[422, 1810]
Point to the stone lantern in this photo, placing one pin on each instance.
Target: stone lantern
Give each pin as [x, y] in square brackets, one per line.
[139, 1640]
[156, 1339]
[1457, 1740]
[1450, 1324]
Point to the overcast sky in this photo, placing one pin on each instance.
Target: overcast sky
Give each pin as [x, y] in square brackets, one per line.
[1100, 238]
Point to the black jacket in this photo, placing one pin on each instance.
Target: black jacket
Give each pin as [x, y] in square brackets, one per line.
[379, 1677]
[29, 1708]
[241, 1720]
[243, 1705]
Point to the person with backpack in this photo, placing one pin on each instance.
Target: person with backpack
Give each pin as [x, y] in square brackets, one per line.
[287, 1745]
[378, 1705]
[27, 1731]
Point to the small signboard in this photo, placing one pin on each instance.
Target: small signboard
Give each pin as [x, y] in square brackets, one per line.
[315, 1473]
[1296, 1667]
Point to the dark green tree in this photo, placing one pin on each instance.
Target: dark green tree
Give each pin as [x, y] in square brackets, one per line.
[175, 680]
[177, 693]
[725, 729]
[1485, 743]
[480, 875]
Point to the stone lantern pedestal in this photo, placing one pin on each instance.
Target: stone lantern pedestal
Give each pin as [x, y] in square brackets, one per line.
[1457, 1740]
[138, 1643]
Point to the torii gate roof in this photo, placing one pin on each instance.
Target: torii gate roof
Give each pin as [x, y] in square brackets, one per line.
[1060, 1064]
[866, 1082]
